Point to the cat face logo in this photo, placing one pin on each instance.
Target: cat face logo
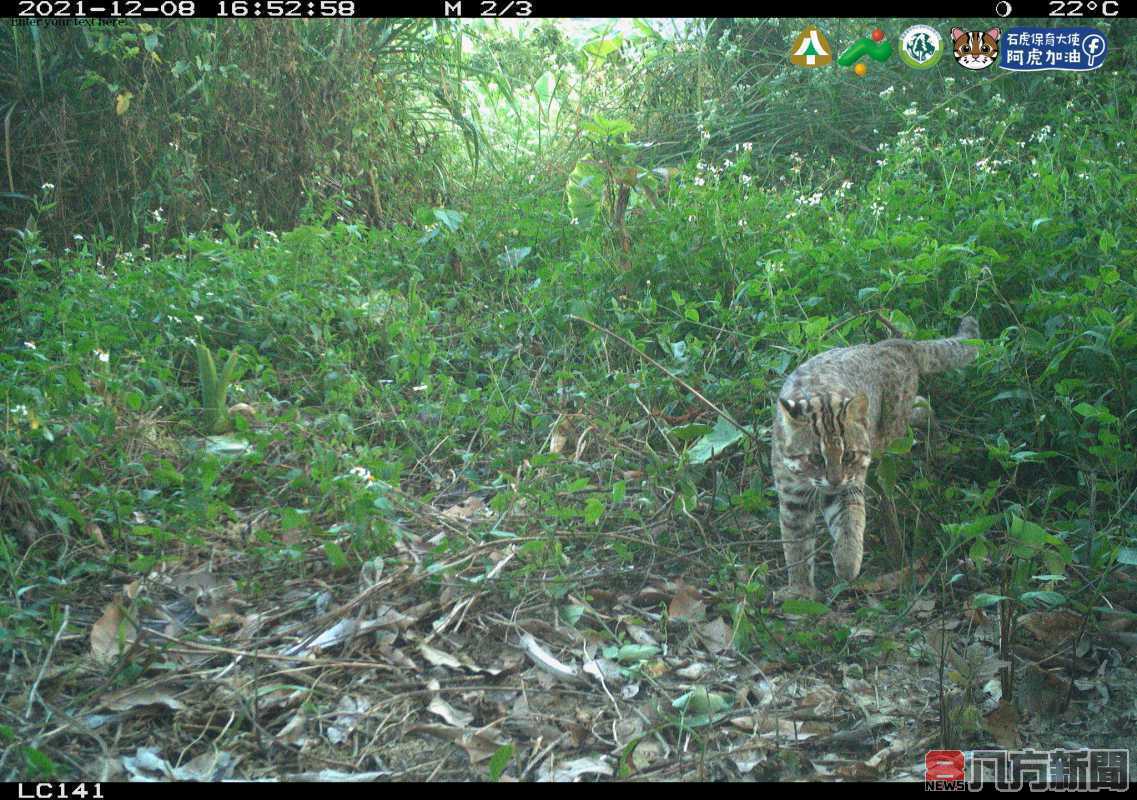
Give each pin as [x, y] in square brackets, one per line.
[975, 49]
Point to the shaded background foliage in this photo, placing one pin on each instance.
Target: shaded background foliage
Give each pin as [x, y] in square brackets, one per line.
[222, 119]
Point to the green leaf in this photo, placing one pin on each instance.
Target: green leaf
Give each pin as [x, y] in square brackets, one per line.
[451, 219]
[132, 399]
[1127, 555]
[901, 445]
[584, 190]
[801, 607]
[513, 256]
[619, 490]
[720, 438]
[701, 701]
[636, 652]
[1027, 533]
[976, 527]
[41, 766]
[227, 446]
[499, 761]
[691, 431]
[978, 551]
[335, 555]
[604, 129]
[1043, 598]
[1107, 241]
[982, 600]
[593, 510]
[604, 47]
[572, 614]
[544, 87]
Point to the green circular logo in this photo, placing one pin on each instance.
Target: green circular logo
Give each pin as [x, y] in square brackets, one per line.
[921, 47]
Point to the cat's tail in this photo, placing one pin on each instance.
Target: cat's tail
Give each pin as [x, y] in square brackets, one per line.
[937, 355]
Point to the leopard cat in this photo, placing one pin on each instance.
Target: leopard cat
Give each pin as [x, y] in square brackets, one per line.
[832, 414]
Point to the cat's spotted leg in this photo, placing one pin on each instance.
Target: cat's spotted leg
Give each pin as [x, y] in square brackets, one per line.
[797, 516]
[845, 517]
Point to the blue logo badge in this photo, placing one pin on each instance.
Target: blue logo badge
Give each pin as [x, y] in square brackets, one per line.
[1035, 49]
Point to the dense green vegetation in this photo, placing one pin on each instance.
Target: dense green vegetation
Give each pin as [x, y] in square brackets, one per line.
[390, 228]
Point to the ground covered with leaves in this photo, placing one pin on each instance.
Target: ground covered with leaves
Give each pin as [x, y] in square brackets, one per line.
[487, 495]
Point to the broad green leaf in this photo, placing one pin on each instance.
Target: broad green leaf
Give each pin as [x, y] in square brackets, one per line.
[593, 510]
[335, 555]
[584, 190]
[451, 219]
[1043, 598]
[636, 652]
[720, 438]
[802, 607]
[227, 446]
[1127, 555]
[701, 701]
[499, 761]
[976, 527]
[544, 87]
[691, 431]
[513, 256]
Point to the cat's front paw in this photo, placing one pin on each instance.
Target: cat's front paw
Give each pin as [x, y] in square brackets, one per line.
[792, 591]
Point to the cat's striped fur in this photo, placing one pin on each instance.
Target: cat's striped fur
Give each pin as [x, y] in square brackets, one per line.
[832, 414]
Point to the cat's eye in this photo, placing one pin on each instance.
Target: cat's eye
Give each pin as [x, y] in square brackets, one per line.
[816, 460]
[986, 49]
[849, 457]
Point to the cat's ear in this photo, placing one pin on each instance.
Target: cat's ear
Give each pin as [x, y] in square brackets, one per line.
[956, 33]
[794, 409]
[857, 407]
[994, 34]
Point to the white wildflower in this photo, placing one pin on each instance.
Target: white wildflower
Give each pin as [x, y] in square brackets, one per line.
[887, 92]
[363, 474]
[30, 345]
[103, 356]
